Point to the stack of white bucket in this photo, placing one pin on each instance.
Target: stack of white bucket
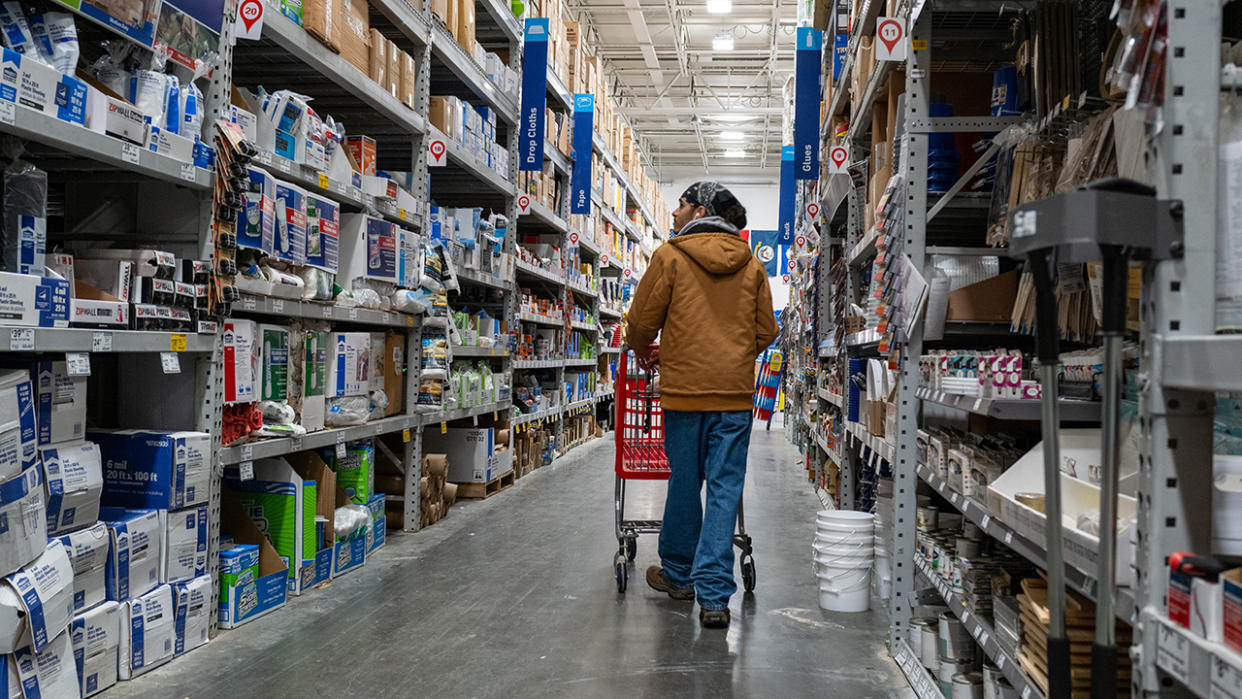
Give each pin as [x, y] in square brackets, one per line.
[882, 571]
[844, 551]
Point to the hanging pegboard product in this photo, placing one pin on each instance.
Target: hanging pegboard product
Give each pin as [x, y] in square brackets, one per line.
[233, 154]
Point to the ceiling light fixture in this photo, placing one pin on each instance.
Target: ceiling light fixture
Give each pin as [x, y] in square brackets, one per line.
[722, 42]
[720, 7]
[735, 153]
[733, 135]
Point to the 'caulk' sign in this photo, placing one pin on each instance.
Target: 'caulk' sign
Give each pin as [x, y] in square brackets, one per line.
[890, 34]
[838, 158]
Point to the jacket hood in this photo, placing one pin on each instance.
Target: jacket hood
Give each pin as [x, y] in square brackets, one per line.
[714, 244]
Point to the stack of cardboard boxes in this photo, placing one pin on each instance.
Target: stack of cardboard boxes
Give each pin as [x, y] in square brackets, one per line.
[345, 27]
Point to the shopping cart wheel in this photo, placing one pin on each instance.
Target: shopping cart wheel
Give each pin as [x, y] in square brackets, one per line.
[748, 573]
[623, 574]
[631, 548]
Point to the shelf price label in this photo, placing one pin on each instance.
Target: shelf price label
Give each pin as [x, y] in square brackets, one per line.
[246, 470]
[101, 342]
[21, 339]
[170, 362]
[278, 306]
[187, 172]
[1173, 653]
[340, 447]
[1226, 680]
[78, 363]
[176, 342]
[443, 428]
[324, 182]
[405, 435]
[8, 112]
[130, 153]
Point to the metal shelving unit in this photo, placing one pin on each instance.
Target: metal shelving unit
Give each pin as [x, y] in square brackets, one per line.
[290, 308]
[1011, 408]
[27, 339]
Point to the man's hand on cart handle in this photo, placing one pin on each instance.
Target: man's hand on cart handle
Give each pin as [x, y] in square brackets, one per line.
[648, 357]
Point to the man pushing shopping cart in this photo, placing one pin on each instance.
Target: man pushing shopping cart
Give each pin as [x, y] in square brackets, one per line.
[707, 298]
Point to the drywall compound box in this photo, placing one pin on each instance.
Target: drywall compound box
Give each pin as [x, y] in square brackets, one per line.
[241, 361]
[90, 313]
[40, 302]
[472, 453]
[148, 632]
[42, 88]
[36, 601]
[18, 425]
[368, 250]
[349, 364]
[73, 478]
[152, 469]
[185, 544]
[88, 554]
[21, 507]
[282, 505]
[96, 638]
[192, 600]
[112, 116]
[274, 343]
[61, 401]
[47, 672]
[135, 545]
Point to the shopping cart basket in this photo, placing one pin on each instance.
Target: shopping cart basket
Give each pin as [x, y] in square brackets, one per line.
[639, 430]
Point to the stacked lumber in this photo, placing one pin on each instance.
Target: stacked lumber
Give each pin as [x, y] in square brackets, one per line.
[1079, 626]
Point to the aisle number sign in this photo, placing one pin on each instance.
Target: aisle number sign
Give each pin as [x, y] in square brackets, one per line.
[807, 97]
[436, 149]
[891, 40]
[838, 159]
[250, 17]
[524, 203]
[534, 95]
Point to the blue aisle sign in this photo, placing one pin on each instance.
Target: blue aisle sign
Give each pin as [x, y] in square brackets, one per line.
[580, 178]
[534, 94]
[840, 49]
[806, 103]
[785, 234]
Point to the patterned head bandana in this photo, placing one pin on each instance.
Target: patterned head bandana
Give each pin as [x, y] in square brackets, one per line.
[716, 200]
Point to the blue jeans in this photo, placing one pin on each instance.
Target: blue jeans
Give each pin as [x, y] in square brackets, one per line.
[696, 547]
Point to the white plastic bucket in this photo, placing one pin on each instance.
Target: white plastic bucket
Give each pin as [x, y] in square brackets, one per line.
[845, 589]
[846, 521]
[948, 670]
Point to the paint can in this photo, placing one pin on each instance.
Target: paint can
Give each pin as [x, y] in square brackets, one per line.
[929, 647]
[968, 685]
[955, 640]
[927, 518]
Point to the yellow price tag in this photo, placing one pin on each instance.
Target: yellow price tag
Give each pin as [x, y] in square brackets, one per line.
[405, 435]
[409, 320]
[443, 428]
[493, 414]
[918, 44]
[176, 342]
[324, 182]
[401, 213]
[1065, 103]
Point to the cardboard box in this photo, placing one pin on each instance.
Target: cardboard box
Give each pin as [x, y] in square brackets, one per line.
[170, 144]
[239, 569]
[409, 81]
[241, 361]
[154, 469]
[464, 30]
[89, 313]
[472, 452]
[393, 369]
[1231, 608]
[135, 546]
[349, 365]
[362, 149]
[368, 250]
[322, 20]
[377, 66]
[314, 375]
[148, 632]
[108, 113]
[96, 639]
[355, 36]
[36, 601]
[248, 599]
[392, 75]
[41, 87]
[274, 343]
[192, 613]
[73, 479]
[378, 504]
[440, 8]
[48, 672]
[88, 554]
[355, 472]
[185, 544]
[312, 468]
[290, 240]
[21, 505]
[259, 231]
[18, 426]
[28, 300]
[349, 554]
[61, 401]
[282, 504]
[440, 114]
[988, 300]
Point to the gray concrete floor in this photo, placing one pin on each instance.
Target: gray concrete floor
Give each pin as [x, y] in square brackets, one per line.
[515, 597]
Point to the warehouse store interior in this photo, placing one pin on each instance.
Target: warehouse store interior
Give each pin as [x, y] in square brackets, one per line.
[317, 377]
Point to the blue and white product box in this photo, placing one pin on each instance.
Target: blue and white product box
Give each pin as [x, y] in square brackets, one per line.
[40, 302]
[167, 143]
[88, 554]
[290, 241]
[36, 602]
[153, 469]
[96, 639]
[193, 613]
[49, 672]
[185, 544]
[61, 401]
[18, 435]
[379, 521]
[42, 88]
[241, 360]
[239, 592]
[115, 117]
[323, 232]
[135, 542]
[21, 509]
[409, 258]
[259, 229]
[348, 555]
[73, 479]
[148, 632]
[349, 364]
[368, 250]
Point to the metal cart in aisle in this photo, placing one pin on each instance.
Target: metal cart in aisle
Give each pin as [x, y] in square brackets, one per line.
[639, 431]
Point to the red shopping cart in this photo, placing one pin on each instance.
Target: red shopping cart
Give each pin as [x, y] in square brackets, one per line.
[639, 431]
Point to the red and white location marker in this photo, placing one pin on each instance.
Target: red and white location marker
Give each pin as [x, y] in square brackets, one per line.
[628, 273]
[437, 149]
[812, 209]
[250, 14]
[785, 278]
[791, 265]
[524, 203]
[891, 33]
[573, 237]
[838, 157]
[801, 241]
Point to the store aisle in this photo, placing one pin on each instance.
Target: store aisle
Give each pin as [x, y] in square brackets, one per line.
[515, 597]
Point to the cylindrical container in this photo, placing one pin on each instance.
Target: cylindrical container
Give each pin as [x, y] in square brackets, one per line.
[926, 518]
[992, 677]
[845, 589]
[955, 640]
[967, 548]
[929, 652]
[948, 669]
[914, 634]
[968, 685]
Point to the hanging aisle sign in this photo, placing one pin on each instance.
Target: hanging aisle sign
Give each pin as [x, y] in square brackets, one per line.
[580, 179]
[534, 94]
[785, 234]
[806, 103]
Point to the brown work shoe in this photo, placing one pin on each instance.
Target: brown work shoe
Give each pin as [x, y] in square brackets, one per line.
[657, 581]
